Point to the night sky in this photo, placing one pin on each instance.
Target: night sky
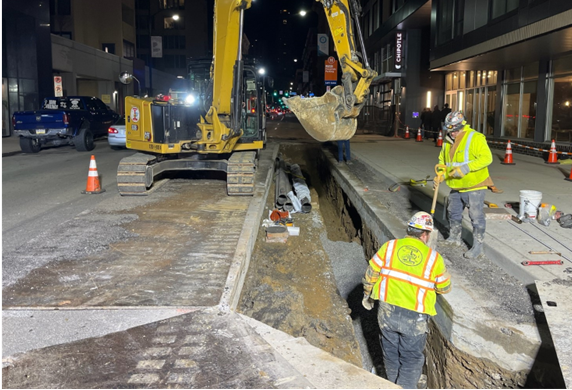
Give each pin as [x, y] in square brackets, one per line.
[275, 44]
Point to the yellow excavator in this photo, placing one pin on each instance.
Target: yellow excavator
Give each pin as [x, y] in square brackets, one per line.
[223, 126]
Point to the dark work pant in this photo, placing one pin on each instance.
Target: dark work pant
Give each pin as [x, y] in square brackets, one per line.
[341, 146]
[403, 338]
[474, 200]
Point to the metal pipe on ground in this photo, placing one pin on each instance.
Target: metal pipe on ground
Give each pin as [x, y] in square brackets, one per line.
[283, 186]
[301, 188]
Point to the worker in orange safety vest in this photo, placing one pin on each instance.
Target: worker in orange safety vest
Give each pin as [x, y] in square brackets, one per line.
[404, 276]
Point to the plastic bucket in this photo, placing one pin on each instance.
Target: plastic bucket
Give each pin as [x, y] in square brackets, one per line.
[529, 203]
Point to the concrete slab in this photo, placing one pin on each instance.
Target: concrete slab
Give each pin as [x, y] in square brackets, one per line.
[556, 299]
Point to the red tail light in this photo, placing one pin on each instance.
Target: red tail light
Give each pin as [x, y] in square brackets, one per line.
[66, 119]
[112, 130]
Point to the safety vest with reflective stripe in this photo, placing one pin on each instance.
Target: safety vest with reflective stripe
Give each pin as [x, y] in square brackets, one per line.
[410, 272]
[472, 150]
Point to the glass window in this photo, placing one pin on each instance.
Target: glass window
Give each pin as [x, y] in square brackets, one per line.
[469, 107]
[513, 74]
[562, 65]
[445, 21]
[562, 109]
[462, 80]
[491, 106]
[501, 7]
[484, 81]
[128, 49]
[455, 80]
[108, 47]
[375, 15]
[492, 77]
[449, 82]
[510, 122]
[478, 79]
[471, 78]
[530, 70]
[170, 23]
[528, 116]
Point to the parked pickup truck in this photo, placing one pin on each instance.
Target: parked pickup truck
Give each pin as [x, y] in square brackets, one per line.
[75, 120]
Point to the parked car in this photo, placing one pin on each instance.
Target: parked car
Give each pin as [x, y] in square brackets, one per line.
[75, 120]
[116, 134]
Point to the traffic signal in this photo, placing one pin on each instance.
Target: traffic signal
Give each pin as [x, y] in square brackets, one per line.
[275, 93]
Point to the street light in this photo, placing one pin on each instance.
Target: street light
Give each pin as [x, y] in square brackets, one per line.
[152, 17]
[303, 13]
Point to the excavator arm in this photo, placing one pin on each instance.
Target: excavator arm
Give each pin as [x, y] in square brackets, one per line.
[333, 116]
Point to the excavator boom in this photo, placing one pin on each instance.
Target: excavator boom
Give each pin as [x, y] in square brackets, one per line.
[333, 116]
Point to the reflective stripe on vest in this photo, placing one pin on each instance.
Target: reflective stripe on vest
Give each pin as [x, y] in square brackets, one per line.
[466, 158]
[423, 282]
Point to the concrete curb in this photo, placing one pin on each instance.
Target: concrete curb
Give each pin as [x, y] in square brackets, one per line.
[458, 325]
[241, 261]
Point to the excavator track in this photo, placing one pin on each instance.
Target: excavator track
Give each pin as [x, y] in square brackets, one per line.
[132, 174]
[240, 174]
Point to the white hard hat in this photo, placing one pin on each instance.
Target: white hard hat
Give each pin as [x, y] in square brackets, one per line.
[455, 121]
[421, 220]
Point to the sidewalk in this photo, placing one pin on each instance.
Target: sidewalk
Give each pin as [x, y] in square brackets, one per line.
[10, 145]
[402, 160]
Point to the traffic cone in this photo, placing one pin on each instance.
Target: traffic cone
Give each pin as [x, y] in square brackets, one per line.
[440, 139]
[92, 186]
[419, 138]
[552, 156]
[508, 155]
[570, 177]
[406, 133]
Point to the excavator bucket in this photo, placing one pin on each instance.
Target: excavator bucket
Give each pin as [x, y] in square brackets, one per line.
[321, 116]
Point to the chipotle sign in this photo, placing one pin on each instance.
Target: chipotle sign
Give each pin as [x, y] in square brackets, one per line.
[398, 50]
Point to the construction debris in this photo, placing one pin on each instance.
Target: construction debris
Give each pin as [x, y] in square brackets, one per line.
[277, 233]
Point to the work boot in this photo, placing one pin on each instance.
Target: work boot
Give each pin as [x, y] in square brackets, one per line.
[477, 249]
[455, 233]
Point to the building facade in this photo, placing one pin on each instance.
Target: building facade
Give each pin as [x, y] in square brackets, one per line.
[507, 64]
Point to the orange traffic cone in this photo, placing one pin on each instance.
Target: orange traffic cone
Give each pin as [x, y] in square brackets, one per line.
[570, 177]
[508, 155]
[440, 139]
[552, 156]
[92, 186]
[406, 133]
[419, 138]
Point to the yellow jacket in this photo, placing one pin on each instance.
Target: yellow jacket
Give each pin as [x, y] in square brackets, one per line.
[470, 147]
[407, 273]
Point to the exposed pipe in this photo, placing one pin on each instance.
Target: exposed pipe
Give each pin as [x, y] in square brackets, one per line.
[301, 188]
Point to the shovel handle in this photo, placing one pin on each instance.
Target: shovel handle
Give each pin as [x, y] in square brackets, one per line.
[439, 173]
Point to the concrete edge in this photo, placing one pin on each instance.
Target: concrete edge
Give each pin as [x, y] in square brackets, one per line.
[322, 369]
[456, 325]
[241, 260]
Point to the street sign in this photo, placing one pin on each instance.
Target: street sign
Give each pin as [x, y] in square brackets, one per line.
[331, 71]
[323, 45]
[58, 88]
[156, 46]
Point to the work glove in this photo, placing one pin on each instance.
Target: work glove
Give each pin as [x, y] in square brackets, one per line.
[367, 302]
[459, 171]
[436, 180]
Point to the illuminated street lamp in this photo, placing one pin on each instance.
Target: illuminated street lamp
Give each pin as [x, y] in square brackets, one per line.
[303, 13]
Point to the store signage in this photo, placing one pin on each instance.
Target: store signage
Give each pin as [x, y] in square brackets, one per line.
[398, 50]
[331, 71]
[58, 88]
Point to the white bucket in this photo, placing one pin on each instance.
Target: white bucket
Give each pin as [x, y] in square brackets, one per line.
[529, 203]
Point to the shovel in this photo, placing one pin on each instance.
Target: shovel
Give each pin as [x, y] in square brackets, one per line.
[440, 171]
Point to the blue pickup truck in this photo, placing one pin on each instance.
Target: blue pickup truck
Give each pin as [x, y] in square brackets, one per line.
[75, 120]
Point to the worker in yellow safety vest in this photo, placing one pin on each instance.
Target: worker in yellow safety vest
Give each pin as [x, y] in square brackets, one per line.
[466, 154]
[404, 276]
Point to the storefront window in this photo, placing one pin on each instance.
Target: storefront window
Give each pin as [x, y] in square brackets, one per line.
[513, 74]
[449, 82]
[562, 65]
[455, 80]
[471, 77]
[491, 77]
[462, 80]
[510, 123]
[562, 109]
[491, 104]
[469, 110]
[528, 116]
[530, 71]
[478, 79]
[484, 81]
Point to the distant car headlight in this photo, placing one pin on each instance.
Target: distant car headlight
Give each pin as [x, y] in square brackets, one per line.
[190, 99]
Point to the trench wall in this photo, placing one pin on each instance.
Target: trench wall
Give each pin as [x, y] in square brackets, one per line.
[466, 348]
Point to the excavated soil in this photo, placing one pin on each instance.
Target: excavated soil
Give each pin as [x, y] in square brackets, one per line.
[291, 286]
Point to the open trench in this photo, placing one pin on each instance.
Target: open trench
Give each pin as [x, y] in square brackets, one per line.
[311, 287]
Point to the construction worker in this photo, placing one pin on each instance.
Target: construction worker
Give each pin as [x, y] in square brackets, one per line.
[404, 276]
[466, 154]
